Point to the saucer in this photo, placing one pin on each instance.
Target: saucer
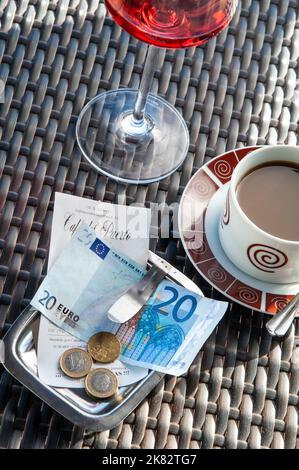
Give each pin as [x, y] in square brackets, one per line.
[201, 208]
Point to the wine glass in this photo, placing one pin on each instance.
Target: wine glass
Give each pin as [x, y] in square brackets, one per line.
[134, 136]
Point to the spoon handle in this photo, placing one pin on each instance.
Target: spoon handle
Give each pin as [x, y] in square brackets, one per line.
[281, 322]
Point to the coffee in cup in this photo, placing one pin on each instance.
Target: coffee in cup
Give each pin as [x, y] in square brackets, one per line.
[259, 230]
[269, 196]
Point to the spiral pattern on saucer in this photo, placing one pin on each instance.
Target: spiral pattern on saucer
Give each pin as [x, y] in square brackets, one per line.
[202, 249]
[266, 258]
[195, 245]
[216, 274]
[248, 295]
[223, 169]
[203, 188]
[279, 303]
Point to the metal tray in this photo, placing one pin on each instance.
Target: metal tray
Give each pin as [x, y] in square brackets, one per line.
[21, 361]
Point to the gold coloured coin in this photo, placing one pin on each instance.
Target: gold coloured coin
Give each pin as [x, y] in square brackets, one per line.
[76, 363]
[104, 347]
[101, 383]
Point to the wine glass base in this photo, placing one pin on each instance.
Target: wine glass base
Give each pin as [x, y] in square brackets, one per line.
[138, 152]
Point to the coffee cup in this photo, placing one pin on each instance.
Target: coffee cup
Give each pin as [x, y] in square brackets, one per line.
[252, 249]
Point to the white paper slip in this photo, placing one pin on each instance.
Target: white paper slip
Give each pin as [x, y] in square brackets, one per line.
[53, 342]
[126, 229]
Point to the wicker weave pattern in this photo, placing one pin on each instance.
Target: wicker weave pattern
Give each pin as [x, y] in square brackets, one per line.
[239, 89]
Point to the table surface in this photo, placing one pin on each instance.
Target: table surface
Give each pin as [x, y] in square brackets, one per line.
[239, 89]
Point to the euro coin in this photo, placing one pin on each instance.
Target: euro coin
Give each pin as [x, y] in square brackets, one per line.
[104, 347]
[76, 363]
[101, 383]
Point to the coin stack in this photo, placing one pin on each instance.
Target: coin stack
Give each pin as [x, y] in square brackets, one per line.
[77, 363]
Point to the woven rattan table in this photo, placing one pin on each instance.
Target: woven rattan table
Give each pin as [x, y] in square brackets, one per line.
[239, 89]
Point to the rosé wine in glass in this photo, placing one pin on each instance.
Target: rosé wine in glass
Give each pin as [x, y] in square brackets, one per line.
[172, 23]
[134, 136]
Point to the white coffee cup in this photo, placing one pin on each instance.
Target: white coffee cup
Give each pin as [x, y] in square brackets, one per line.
[254, 251]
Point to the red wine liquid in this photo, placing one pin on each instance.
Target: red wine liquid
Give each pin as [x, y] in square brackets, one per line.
[172, 23]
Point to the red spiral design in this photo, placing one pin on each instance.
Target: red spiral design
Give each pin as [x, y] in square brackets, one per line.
[223, 169]
[194, 245]
[197, 244]
[266, 258]
[248, 295]
[203, 247]
[217, 274]
[279, 303]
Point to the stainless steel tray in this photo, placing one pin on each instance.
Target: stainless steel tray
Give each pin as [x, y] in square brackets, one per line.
[21, 361]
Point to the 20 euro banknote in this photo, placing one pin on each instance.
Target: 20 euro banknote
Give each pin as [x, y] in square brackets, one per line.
[170, 330]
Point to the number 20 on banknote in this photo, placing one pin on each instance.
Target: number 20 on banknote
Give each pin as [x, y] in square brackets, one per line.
[180, 307]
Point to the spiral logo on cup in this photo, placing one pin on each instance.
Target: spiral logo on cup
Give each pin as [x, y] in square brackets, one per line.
[266, 258]
[248, 295]
[223, 169]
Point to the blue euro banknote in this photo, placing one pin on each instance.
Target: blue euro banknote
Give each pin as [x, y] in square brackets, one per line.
[170, 330]
[87, 278]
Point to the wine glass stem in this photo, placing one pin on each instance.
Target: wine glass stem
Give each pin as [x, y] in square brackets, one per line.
[146, 82]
